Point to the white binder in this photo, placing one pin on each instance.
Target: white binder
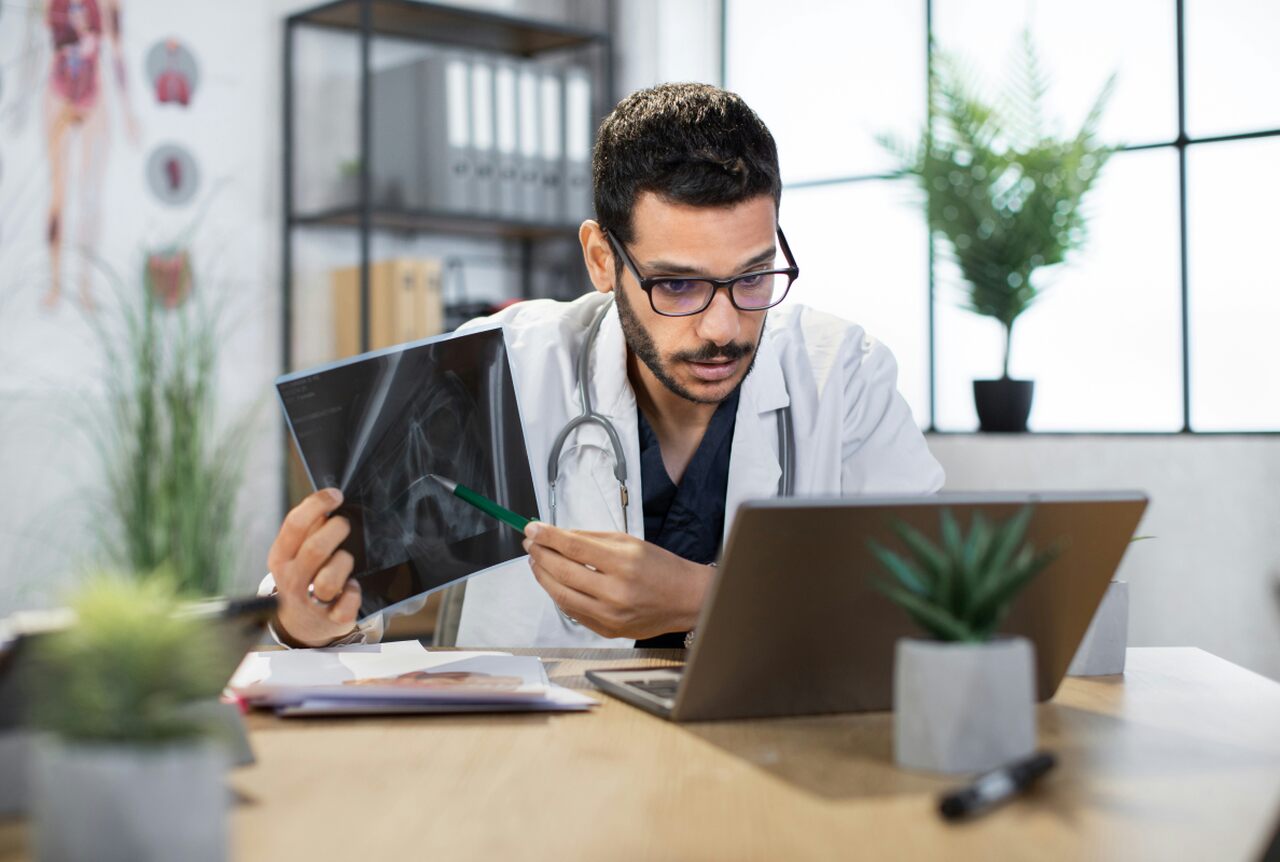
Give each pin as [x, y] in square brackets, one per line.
[577, 145]
[551, 104]
[530, 143]
[507, 139]
[483, 141]
[396, 165]
[421, 139]
[451, 181]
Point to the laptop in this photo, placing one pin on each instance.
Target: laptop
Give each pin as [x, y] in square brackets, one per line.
[793, 625]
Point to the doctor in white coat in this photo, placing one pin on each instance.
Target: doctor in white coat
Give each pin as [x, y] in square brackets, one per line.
[691, 270]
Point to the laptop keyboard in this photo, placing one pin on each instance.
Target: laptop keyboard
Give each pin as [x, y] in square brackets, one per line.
[664, 688]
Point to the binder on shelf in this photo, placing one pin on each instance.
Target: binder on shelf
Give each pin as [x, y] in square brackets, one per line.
[483, 143]
[452, 182]
[421, 135]
[577, 145]
[397, 166]
[530, 142]
[551, 127]
[507, 139]
[405, 304]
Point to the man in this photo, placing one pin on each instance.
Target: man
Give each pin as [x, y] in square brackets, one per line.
[691, 373]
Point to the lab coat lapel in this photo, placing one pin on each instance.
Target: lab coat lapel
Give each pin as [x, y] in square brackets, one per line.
[614, 398]
[754, 468]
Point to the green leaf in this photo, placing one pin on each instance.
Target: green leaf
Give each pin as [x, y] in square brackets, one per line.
[924, 550]
[900, 569]
[932, 619]
[973, 574]
[989, 609]
[1008, 538]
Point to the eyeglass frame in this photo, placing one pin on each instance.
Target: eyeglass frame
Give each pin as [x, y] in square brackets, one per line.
[647, 284]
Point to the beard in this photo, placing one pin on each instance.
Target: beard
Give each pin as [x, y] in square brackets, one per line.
[642, 345]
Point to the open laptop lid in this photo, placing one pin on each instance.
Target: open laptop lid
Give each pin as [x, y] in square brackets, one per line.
[793, 625]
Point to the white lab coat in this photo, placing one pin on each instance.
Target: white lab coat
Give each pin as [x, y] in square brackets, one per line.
[854, 434]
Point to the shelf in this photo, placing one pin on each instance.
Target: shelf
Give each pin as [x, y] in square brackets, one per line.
[420, 221]
[468, 28]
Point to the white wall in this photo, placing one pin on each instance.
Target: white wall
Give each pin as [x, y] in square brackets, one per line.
[50, 364]
[1211, 576]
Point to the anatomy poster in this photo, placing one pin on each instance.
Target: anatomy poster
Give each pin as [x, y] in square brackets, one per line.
[375, 427]
[137, 154]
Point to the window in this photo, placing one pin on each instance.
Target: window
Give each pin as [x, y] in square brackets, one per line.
[1109, 344]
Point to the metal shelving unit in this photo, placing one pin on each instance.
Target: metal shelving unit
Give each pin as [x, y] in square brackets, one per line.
[437, 25]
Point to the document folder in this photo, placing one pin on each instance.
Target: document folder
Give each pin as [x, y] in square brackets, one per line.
[422, 156]
[577, 174]
[507, 139]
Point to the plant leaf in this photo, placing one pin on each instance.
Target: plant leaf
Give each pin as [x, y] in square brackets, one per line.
[900, 569]
[929, 617]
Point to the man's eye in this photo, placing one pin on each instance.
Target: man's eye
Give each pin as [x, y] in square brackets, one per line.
[754, 280]
[679, 286]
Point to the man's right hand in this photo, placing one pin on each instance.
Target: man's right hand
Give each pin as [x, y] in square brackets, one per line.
[305, 552]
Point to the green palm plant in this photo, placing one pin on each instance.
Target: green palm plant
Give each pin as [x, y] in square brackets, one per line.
[1003, 192]
[961, 590]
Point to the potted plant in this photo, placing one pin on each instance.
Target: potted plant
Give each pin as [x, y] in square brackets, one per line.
[1007, 196]
[1105, 645]
[964, 699]
[120, 770]
[171, 470]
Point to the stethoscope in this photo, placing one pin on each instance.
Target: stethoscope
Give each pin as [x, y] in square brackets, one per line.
[588, 416]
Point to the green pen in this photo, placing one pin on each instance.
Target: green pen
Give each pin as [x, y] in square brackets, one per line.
[483, 503]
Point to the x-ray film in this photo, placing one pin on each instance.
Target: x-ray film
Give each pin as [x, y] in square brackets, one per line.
[376, 425]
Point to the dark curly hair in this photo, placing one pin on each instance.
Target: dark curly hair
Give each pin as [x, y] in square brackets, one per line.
[689, 143]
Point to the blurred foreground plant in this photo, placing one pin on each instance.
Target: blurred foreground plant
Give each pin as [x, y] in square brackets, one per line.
[125, 669]
[172, 476]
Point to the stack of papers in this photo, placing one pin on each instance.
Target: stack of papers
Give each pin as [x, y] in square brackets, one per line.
[398, 678]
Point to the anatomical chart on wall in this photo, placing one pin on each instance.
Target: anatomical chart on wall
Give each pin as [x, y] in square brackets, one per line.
[376, 425]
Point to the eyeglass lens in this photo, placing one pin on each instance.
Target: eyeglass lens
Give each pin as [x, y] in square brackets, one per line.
[687, 295]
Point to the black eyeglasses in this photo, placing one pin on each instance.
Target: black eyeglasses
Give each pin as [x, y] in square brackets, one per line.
[674, 296]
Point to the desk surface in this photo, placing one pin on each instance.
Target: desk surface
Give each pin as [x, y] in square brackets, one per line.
[1178, 759]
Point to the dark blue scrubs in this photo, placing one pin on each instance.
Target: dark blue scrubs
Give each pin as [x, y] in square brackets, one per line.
[687, 519]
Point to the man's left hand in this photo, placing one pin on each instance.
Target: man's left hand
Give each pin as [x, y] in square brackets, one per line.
[615, 584]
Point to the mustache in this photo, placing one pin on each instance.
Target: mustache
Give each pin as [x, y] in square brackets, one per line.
[711, 352]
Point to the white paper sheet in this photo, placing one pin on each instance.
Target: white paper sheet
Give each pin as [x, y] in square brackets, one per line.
[293, 677]
[558, 699]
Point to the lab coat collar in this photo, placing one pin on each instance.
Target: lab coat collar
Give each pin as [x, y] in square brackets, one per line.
[613, 392]
[754, 468]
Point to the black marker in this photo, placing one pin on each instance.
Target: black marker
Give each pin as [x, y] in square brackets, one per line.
[992, 788]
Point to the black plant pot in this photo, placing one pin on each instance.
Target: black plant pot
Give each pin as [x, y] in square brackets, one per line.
[1004, 404]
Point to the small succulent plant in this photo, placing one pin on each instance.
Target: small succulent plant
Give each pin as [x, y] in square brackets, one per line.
[123, 673]
[961, 590]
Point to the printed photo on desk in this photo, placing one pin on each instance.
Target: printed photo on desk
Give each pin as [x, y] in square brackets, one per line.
[377, 425]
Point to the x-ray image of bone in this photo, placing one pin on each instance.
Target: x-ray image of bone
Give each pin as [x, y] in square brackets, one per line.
[400, 514]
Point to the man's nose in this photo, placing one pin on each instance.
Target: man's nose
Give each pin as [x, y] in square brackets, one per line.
[719, 323]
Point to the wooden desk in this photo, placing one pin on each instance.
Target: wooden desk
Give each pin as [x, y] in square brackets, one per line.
[1179, 759]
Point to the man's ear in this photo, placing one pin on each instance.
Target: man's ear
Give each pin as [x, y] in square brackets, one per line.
[597, 254]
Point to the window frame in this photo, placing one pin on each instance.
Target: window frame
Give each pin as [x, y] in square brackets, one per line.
[1181, 143]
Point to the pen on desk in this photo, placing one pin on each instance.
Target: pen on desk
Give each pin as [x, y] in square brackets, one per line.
[992, 788]
[483, 503]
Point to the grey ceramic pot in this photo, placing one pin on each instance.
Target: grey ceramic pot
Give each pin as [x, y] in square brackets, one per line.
[128, 803]
[962, 707]
[15, 748]
[1103, 649]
